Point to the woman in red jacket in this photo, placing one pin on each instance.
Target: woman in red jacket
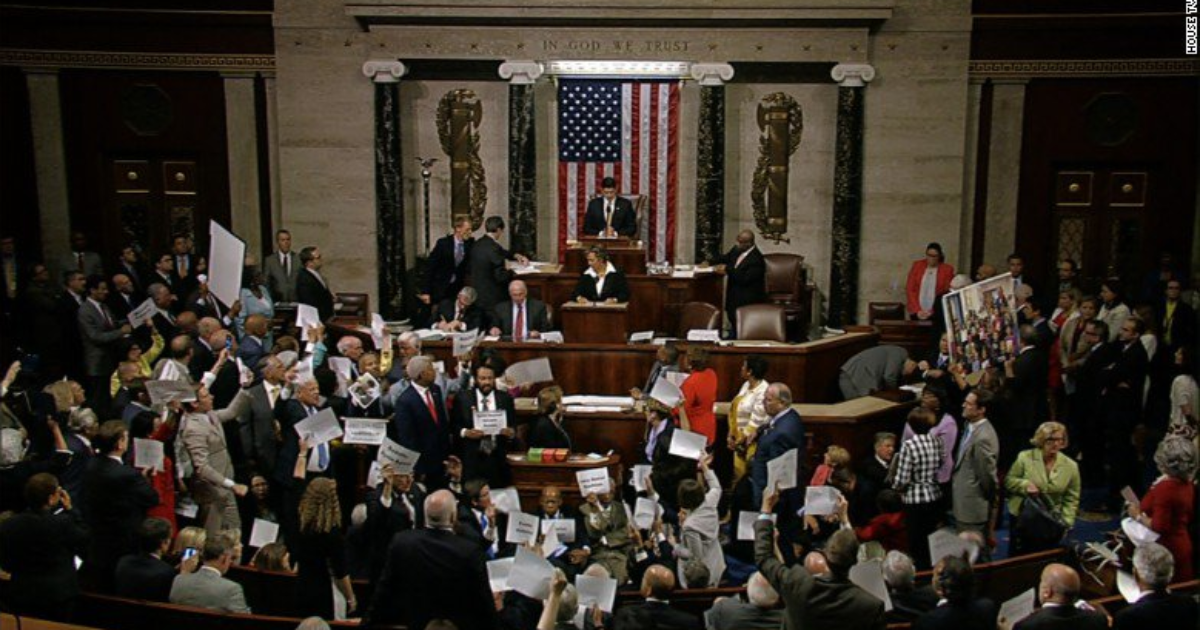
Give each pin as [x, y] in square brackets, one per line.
[1169, 507]
[928, 280]
[700, 393]
[148, 426]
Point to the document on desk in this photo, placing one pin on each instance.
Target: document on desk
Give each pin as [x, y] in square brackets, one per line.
[530, 372]
[597, 401]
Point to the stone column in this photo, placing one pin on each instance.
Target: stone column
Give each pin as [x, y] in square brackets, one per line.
[50, 162]
[522, 154]
[389, 202]
[241, 142]
[273, 151]
[1004, 160]
[710, 159]
[847, 192]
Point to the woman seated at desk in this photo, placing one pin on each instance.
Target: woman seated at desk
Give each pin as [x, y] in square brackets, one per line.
[601, 282]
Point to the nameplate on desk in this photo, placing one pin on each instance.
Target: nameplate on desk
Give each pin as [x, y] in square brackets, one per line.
[552, 336]
[641, 337]
[683, 273]
[697, 334]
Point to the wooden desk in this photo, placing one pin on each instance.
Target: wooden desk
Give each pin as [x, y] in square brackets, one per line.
[530, 477]
[657, 301]
[598, 323]
[915, 336]
[629, 257]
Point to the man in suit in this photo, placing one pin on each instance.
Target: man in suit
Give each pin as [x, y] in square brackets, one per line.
[186, 265]
[1121, 406]
[782, 433]
[282, 268]
[253, 346]
[395, 505]
[1058, 591]
[68, 349]
[446, 270]
[1027, 381]
[745, 270]
[101, 332]
[571, 557]
[80, 258]
[130, 264]
[485, 266]
[38, 548]
[207, 587]
[124, 297]
[145, 575]
[958, 607]
[433, 574]
[974, 477]
[305, 403]
[203, 437]
[311, 288]
[666, 359]
[459, 313]
[117, 499]
[872, 475]
[828, 600]
[257, 422]
[874, 369]
[421, 422]
[1153, 568]
[908, 600]
[204, 304]
[484, 455]
[164, 304]
[655, 611]
[163, 272]
[521, 317]
[760, 611]
[609, 215]
[1177, 319]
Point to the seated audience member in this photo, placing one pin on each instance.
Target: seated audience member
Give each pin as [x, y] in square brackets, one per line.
[1046, 471]
[958, 608]
[273, 557]
[1058, 591]
[875, 369]
[761, 610]
[38, 549]
[700, 394]
[558, 611]
[459, 313]
[816, 601]
[908, 600]
[700, 524]
[570, 557]
[655, 611]
[887, 527]
[835, 457]
[207, 588]
[313, 623]
[695, 573]
[1169, 507]
[118, 497]
[608, 528]
[1156, 607]
[872, 475]
[602, 282]
[145, 575]
[521, 317]
[188, 538]
[549, 430]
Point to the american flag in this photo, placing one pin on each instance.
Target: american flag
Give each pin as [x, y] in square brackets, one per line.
[627, 130]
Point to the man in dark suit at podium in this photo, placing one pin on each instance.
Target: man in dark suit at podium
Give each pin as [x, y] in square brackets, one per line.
[447, 268]
[609, 215]
[485, 266]
[746, 276]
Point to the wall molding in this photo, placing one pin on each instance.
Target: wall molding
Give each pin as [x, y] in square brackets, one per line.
[34, 59]
[1073, 68]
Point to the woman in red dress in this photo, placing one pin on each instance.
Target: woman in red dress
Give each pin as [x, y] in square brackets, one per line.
[148, 426]
[1169, 507]
[700, 393]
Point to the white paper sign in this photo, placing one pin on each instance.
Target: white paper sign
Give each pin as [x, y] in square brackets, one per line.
[144, 311]
[491, 422]
[530, 372]
[522, 528]
[745, 528]
[373, 475]
[675, 377]
[551, 546]
[379, 333]
[1130, 496]
[148, 454]
[564, 528]
[687, 444]
[1128, 587]
[821, 500]
[307, 317]
[187, 508]
[319, 428]
[945, 542]
[869, 577]
[342, 366]
[168, 391]
[226, 263]
[263, 533]
[464, 342]
[498, 572]
[641, 336]
[592, 481]
[1138, 533]
[550, 336]
[365, 431]
[644, 513]
[667, 393]
[596, 591]
[531, 575]
[638, 477]
[1018, 607]
[697, 334]
[364, 391]
[782, 471]
[403, 459]
[506, 500]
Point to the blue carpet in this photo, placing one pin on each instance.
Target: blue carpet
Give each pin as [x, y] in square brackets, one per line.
[1090, 526]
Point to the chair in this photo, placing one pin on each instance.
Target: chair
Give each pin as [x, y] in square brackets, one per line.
[356, 305]
[762, 322]
[786, 285]
[698, 316]
[885, 311]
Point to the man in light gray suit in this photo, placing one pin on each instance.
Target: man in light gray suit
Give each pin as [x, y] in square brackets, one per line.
[258, 424]
[974, 480]
[281, 268]
[207, 587]
[100, 332]
[80, 259]
[203, 438]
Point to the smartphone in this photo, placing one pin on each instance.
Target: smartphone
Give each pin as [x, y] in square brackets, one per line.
[229, 342]
[188, 553]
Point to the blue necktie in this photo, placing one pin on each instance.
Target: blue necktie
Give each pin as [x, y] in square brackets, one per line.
[483, 522]
[322, 457]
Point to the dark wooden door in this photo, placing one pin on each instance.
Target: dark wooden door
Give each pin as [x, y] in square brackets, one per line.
[153, 199]
[1104, 216]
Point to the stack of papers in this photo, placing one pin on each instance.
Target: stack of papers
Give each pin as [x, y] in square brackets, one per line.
[598, 401]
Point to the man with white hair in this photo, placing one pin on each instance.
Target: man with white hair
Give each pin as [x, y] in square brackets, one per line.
[731, 613]
[908, 601]
[1153, 568]
[433, 574]
[351, 347]
[421, 422]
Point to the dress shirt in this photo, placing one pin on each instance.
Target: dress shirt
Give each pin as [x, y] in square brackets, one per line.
[928, 288]
[652, 440]
[103, 313]
[286, 262]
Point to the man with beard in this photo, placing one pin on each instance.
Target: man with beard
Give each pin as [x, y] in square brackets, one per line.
[484, 455]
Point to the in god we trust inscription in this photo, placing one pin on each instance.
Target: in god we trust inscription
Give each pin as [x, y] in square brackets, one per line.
[616, 46]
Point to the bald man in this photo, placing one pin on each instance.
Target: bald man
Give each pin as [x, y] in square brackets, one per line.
[1058, 591]
[655, 612]
[253, 345]
[746, 277]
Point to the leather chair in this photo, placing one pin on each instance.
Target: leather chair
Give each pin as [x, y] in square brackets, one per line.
[786, 285]
[885, 311]
[356, 305]
[762, 322]
[698, 316]
[641, 204]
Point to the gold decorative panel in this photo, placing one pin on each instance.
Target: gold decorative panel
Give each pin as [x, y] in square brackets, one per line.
[1073, 188]
[179, 178]
[131, 176]
[1127, 190]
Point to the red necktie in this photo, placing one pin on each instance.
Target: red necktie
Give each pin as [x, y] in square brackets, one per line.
[519, 326]
[432, 408]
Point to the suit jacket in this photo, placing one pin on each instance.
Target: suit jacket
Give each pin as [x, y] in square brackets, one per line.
[280, 283]
[99, 338]
[487, 274]
[745, 283]
[137, 273]
[204, 439]
[814, 602]
[118, 497]
[122, 305]
[251, 350]
[257, 426]
[730, 613]
[38, 548]
[310, 291]
[289, 412]
[92, 264]
[786, 433]
[202, 307]
[624, 217]
[443, 278]
[1160, 611]
[412, 427]
[471, 316]
[654, 615]
[871, 370]
[537, 316]
[206, 589]
[384, 522]
[908, 605]
[166, 327]
[615, 286]
[1063, 618]
[142, 576]
[492, 466]
[979, 614]
[974, 479]
[1182, 325]
[1030, 407]
[916, 273]
[546, 434]
[430, 574]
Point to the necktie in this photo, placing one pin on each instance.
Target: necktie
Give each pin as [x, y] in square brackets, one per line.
[183, 266]
[287, 263]
[962, 446]
[458, 252]
[212, 304]
[108, 322]
[488, 443]
[79, 261]
[432, 408]
[608, 214]
[322, 456]
[519, 326]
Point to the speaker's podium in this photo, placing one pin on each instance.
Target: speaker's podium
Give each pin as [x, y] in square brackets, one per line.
[627, 255]
[595, 322]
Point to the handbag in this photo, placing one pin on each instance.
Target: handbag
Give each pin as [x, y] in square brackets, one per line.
[1038, 522]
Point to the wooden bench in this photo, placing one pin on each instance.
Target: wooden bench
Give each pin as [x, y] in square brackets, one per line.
[1113, 604]
[118, 613]
[12, 622]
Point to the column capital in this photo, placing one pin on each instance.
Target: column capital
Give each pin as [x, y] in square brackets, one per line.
[521, 72]
[853, 74]
[238, 74]
[384, 70]
[711, 74]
